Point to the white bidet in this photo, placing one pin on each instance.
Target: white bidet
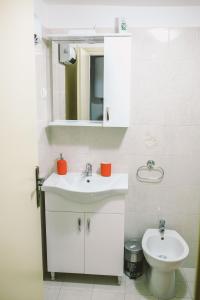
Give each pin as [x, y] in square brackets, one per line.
[164, 253]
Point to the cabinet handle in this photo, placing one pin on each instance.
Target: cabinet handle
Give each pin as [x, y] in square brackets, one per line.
[107, 114]
[88, 225]
[79, 224]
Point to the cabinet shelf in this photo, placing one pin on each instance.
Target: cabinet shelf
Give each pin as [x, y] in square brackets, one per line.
[76, 123]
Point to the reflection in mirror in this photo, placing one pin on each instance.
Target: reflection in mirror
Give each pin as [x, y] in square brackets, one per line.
[96, 87]
[78, 81]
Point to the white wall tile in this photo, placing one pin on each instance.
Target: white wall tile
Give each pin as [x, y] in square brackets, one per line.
[165, 126]
[150, 44]
[189, 274]
[136, 224]
[184, 43]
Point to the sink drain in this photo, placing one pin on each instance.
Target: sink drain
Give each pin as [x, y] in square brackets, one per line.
[162, 256]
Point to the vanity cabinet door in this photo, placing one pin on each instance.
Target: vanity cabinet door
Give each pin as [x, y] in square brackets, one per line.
[117, 81]
[104, 244]
[65, 242]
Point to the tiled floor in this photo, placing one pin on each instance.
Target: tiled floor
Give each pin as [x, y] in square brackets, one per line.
[75, 287]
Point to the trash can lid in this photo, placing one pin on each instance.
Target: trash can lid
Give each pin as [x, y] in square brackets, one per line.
[133, 245]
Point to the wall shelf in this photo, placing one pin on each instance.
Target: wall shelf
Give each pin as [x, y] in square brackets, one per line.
[83, 36]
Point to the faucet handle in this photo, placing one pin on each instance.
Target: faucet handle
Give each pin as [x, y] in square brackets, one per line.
[162, 222]
[88, 165]
[88, 169]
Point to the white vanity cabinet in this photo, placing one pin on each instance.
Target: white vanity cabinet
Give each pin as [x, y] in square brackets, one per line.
[104, 240]
[65, 242]
[85, 238]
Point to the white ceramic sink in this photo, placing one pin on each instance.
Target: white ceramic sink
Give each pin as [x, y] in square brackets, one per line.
[95, 186]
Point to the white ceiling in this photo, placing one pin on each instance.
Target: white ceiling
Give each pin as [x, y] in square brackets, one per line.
[127, 2]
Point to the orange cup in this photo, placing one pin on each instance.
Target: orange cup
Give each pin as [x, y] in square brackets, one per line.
[106, 169]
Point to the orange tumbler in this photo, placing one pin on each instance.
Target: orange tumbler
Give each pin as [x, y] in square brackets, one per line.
[106, 169]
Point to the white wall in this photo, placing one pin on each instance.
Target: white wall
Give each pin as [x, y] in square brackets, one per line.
[77, 16]
[165, 117]
[44, 98]
[39, 10]
[165, 126]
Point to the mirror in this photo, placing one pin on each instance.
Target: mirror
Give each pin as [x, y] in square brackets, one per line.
[78, 80]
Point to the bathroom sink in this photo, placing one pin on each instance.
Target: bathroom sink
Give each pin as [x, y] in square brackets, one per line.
[86, 188]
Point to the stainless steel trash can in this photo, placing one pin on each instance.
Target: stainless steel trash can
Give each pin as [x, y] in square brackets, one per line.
[133, 258]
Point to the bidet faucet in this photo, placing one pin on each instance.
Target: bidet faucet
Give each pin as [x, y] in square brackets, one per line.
[162, 226]
[88, 170]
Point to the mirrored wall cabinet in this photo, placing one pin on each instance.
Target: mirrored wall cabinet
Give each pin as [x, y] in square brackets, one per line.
[91, 78]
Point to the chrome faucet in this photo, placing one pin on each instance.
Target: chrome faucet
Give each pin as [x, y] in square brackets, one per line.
[162, 226]
[88, 170]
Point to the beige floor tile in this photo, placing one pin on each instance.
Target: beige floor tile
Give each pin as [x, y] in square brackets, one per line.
[191, 285]
[180, 299]
[73, 287]
[77, 285]
[107, 295]
[74, 294]
[50, 283]
[139, 297]
[109, 284]
[51, 293]
[182, 290]
[138, 286]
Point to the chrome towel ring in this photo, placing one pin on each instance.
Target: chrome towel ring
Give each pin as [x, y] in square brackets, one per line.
[150, 166]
